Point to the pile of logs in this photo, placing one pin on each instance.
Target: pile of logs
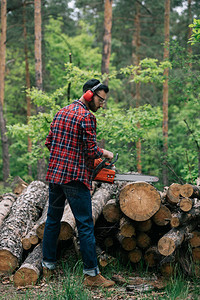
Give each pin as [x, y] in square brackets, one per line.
[134, 219]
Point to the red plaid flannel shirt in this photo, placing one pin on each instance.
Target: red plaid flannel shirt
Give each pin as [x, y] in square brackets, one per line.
[72, 144]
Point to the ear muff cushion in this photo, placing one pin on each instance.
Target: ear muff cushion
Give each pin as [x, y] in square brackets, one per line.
[88, 95]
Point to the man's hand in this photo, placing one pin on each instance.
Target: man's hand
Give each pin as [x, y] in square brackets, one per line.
[107, 154]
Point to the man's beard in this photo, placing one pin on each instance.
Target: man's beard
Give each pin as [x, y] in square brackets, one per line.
[92, 106]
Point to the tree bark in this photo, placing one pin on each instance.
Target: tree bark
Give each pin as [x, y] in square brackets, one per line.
[25, 211]
[174, 238]
[5, 205]
[107, 38]
[165, 92]
[28, 82]
[30, 270]
[4, 138]
[139, 201]
[41, 167]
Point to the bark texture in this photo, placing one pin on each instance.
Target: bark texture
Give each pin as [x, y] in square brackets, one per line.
[25, 211]
[30, 270]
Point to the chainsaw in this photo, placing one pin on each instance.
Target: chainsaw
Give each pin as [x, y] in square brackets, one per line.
[104, 172]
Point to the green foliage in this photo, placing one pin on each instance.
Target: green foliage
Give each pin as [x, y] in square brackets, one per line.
[195, 38]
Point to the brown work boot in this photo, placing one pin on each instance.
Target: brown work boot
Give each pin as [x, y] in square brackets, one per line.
[48, 273]
[97, 281]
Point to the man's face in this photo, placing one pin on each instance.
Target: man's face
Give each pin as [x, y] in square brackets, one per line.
[97, 101]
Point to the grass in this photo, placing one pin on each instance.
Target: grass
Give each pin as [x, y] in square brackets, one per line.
[67, 284]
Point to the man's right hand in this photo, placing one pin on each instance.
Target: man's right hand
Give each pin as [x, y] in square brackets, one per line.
[107, 154]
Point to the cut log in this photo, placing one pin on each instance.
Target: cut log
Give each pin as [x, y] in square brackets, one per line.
[126, 227]
[24, 212]
[144, 226]
[173, 193]
[5, 205]
[108, 242]
[175, 219]
[188, 190]
[139, 201]
[174, 238]
[18, 185]
[186, 204]
[152, 256]
[163, 216]
[143, 240]
[127, 243]
[181, 218]
[30, 270]
[135, 255]
[111, 211]
[195, 240]
[167, 266]
[196, 255]
[103, 258]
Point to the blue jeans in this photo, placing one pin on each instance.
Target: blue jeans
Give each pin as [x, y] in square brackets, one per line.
[79, 199]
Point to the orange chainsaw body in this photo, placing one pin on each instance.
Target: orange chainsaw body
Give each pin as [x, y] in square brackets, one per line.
[104, 174]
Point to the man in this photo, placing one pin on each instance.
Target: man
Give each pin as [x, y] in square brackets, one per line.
[73, 148]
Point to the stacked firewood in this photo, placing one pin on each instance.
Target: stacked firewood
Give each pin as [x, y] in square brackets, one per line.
[134, 219]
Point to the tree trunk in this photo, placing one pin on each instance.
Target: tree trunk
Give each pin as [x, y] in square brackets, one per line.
[136, 60]
[165, 93]
[4, 138]
[107, 38]
[41, 167]
[28, 83]
[25, 211]
[30, 270]
[189, 46]
[139, 201]
[5, 205]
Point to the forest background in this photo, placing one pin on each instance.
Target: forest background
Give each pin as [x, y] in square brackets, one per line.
[140, 48]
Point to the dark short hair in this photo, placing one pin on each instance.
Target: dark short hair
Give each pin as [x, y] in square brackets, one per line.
[93, 82]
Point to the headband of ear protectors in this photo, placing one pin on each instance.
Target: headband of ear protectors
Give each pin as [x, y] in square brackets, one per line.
[90, 93]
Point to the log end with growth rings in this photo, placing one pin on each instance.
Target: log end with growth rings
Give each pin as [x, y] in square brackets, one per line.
[8, 262]
[139, 201]
[166, 246]
[25, 277]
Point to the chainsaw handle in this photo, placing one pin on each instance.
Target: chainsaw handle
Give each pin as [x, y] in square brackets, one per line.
[102, 164]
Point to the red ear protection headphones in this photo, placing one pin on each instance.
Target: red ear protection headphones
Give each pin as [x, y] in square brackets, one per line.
[90, 93]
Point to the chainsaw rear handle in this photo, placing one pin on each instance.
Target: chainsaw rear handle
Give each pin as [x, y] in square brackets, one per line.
[102, 164]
